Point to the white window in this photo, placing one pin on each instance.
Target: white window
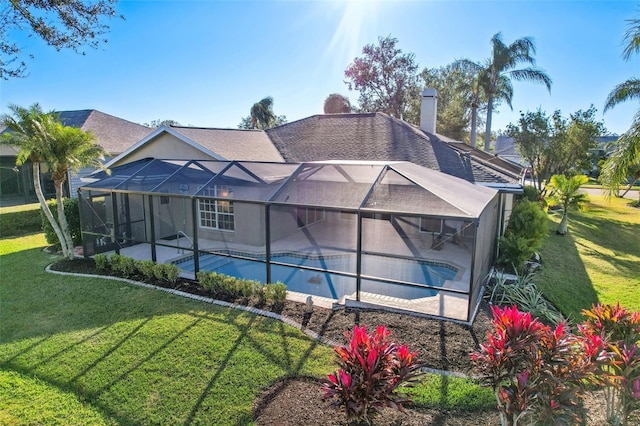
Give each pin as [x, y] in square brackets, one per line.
[216, 214]
[308, 216]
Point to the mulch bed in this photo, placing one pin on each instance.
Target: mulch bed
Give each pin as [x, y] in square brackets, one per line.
[441, 345]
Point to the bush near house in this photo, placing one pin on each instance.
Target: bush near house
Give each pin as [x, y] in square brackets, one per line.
[524, 235]
[20, 220]
[72, 212]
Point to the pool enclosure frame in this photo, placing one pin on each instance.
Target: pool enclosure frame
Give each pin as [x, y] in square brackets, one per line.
[368, 213]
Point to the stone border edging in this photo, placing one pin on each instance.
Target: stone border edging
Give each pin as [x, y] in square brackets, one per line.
[249, 309]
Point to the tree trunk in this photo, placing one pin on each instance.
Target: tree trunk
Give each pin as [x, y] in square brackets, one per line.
[487, 135]
[474, 119]
[62, 219]
[45, 208]
[562, 228]
[629, 188]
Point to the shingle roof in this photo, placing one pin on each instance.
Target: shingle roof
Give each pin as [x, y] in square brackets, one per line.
[377, 137]
[114, 134]
[233, 144]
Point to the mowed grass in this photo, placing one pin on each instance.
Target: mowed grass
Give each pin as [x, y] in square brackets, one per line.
[597, 261]
[128, 355]
[76, 351]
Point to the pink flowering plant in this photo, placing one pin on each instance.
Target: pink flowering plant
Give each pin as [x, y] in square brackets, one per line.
[538, 373]
[619, 371]
[371, 368]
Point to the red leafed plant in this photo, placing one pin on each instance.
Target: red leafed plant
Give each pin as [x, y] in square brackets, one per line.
[619, 372]
[537, 372]
[371, 368]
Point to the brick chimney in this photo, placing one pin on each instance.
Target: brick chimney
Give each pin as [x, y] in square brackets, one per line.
[429, 110]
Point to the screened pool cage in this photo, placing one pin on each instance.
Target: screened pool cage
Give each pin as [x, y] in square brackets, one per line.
[388, 235]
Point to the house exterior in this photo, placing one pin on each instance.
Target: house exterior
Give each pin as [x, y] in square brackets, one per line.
[114, 134]
[349, 194]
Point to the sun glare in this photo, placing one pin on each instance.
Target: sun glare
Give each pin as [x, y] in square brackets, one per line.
[348, 37]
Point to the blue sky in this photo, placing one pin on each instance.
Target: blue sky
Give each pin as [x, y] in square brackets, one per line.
[205, 63]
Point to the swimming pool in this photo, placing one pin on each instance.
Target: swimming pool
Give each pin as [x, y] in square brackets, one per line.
[334, 285]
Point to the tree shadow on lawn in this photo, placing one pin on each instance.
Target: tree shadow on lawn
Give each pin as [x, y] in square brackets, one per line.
[246, 329]
[564, 279]
[617, 236]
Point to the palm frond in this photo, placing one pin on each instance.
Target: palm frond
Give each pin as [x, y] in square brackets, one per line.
[632, 38]
[532, 74]
[628, 90]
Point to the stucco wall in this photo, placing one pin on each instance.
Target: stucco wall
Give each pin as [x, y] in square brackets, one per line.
[165, 146]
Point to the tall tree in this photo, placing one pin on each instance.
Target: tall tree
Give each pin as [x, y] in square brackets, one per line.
[531, 136]
[557, 145]
[262, 116]
[501, 70]
[42, 139]
[476, 76]
[62, 24]
[337, 104]
[454, 94]
[625, 158]
[385, 77]
[565, 192]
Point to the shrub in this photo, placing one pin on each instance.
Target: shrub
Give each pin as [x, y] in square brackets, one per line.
[371, 368]
[20, 222]
[145, 268]
[259, 291]
[514, 252]
[72, 213]
[619, 372]
[530, 193]
[276, 293]
[228, 285]
[158, 271]
[537, 373]
[171, 272]
[102, 262]
[123, 265]
[244, 287]
[205, 279]
[524, 235]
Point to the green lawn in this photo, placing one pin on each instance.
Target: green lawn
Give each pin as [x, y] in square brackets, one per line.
[76, 351]
[597, 261]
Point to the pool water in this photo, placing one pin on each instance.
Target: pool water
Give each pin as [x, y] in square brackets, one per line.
[333, 285]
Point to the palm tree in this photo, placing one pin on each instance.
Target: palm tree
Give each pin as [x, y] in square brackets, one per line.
[43, 140]
[476, 88]
[626, 155]
[262, 115]
[501, 69]
[565, 193]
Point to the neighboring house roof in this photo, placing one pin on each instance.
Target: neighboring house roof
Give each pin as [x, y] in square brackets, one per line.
[378, 136]
[199, 143]
[114, 134]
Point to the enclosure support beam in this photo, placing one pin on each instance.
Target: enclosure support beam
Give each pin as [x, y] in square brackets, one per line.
[116, 225]
[472, 283]
[267, 237]
[358, 255]
[194, 219]
[152, 225]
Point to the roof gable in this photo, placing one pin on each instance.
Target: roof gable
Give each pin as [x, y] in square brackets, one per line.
[190, 143]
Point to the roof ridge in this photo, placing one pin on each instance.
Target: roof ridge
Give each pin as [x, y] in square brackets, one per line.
[214, 128]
